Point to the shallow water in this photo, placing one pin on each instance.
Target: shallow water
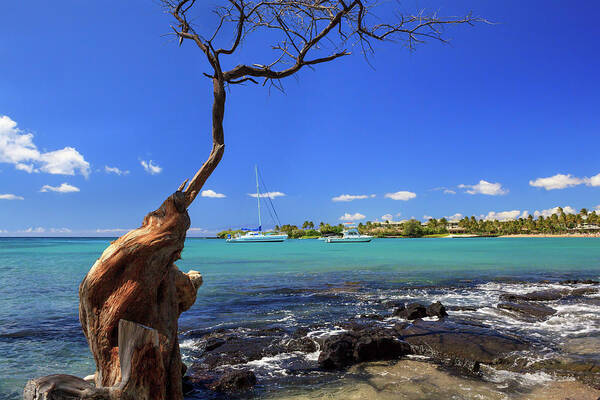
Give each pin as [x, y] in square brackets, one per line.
[296, 283]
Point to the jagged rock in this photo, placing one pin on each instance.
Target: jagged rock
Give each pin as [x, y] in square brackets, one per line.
[411, 311]
[235, 381]
[540, 295]
[536, 312]
[359, 346]
[436, 309]
[458, 345]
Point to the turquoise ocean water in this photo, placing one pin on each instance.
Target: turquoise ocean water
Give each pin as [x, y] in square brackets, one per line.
[254, 285]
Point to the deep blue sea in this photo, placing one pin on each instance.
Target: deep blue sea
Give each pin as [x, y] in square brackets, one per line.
[274, 284]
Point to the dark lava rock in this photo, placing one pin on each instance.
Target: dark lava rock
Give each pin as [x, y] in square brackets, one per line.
[459, 345]
[338, 351]
[212, 343]
[436, 309]
[463, 308]
[377, 317]
[235, 381]
[581, 281]
[303, 344]
[536, 312]
[367, 345]
[379, 347]
[584, 291]
[411, 311]
[540, 295]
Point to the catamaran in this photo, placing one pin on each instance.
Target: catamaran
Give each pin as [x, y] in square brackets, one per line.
[350, 235]
[257, 235]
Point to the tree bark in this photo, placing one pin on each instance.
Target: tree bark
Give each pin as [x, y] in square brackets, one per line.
[136, 279]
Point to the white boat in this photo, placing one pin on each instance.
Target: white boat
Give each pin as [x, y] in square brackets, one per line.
[257, 235]
[350, 235]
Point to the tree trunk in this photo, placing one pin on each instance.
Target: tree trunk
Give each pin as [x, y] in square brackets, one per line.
[136, 279]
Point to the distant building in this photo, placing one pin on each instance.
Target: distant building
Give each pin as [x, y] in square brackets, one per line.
[453, 227]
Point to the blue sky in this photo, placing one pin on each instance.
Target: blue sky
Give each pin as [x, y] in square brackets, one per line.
[465, 128]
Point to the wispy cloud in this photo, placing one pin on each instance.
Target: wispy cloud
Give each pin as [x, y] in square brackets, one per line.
[555, 210]
[39, 229]
[563, 181]
[115, 170]
[401, 195]
[10, 196]
[212, 194]
[352, 217]
[387, 217]
[63, 188]
[350, 197]
[271, 195]
[112, 230]
[18, 148]
[427, 217]
[150, 167]
[449, 191]
[485, 187]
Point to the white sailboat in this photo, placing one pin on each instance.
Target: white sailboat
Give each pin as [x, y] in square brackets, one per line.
[257, 235]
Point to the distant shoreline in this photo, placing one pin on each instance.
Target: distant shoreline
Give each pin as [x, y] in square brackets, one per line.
[558, 235]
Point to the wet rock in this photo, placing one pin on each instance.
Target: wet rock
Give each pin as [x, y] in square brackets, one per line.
[212, 343]
[367, 345]
[235, 381]
[580, 281]
[436, 309]
[379, 347]
[338, 351]
[377, 317]
[458, 345]
[303, 344]
[583, 369]
[411, 311]
[584, 291]
[540, 295]
[535, 312]
[463, 308]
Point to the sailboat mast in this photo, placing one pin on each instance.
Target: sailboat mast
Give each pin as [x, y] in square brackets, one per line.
[258, 198]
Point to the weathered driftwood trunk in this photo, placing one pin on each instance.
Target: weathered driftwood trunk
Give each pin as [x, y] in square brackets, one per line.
[129, 304]
[136, 279]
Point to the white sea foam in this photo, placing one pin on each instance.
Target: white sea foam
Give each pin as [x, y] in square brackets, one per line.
[324, 333]
[524, 379]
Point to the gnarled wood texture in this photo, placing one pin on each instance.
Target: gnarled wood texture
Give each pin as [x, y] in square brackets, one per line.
[136, 279]
[138, 351]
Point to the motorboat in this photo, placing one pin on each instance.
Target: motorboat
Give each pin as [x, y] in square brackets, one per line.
[350, 235]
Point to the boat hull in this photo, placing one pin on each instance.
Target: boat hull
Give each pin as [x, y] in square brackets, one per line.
[349, 240]
[258, 239]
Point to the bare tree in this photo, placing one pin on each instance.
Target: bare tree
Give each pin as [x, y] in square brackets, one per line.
[305, 33]
[132, 297]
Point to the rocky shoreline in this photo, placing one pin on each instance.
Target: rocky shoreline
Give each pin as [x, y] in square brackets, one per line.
[241, 361]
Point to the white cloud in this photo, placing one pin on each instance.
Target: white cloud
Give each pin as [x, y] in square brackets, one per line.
[485, 187]
[17, 148]
[593, 181]
[550, 211]
[212, 193]
[63, 188]
[597, 207]
[558, 181]
[455, 217]
[272, 195]
[114, 170]
[449, 191]
[150, 167]
[39, 229]
[503, 215]
[352, 217]
[350, 197]
[427, 217]
[401, 195]
[10, 196]
[387, 217]
[60, 230]
[112, 230]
